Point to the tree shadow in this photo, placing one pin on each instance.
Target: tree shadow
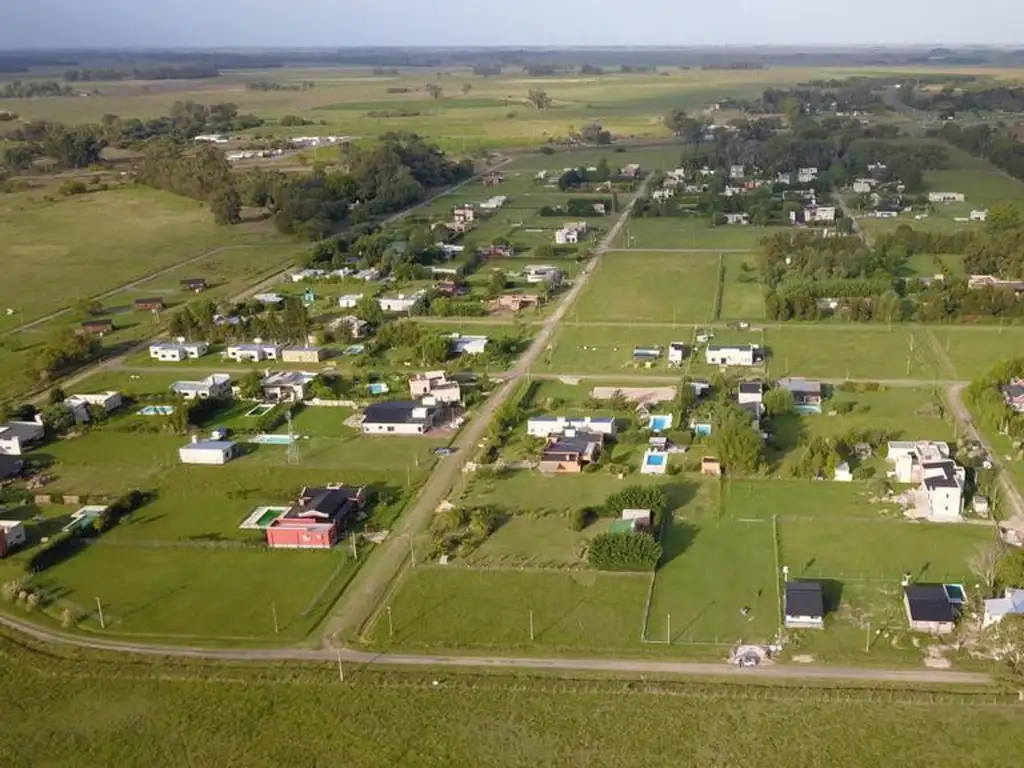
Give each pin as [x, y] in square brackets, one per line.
[678, 536]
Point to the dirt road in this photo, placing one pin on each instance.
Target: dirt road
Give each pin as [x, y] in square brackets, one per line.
[378, 574]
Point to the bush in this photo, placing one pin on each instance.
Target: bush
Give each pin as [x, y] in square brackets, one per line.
[546, 150]
[651, 497]
[60, 547]
[843, 408]
[579, 518]
[624, 552]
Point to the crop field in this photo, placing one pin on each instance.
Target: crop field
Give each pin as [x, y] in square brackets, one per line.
[742, 295]
[652, 287]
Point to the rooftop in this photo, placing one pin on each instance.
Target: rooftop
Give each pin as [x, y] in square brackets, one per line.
[323, 503]
[578, 442]
[750, 387]
[23, 430]
[801, 386]
[940, 474]
[288, 379]
[210, 445]
[396, 412]
[804, 598]
[929, 602]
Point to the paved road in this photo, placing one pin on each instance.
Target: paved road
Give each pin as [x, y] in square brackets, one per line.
[624, 666]
[1010, 492]
[373, 580]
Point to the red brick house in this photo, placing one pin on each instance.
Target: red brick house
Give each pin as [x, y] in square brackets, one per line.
[196, 284]
[148, 304]
[97, 327]
[315, 520]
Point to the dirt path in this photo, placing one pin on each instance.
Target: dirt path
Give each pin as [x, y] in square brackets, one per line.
[375, 577]
[1010, 492]
[622, 666]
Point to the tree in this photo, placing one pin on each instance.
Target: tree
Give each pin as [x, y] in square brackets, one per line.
[778, 402]
[539, 98]
[497, 284]
[251, 385]
[368, 310]
[985, 563]
[56, 396]
[544, 251]
[603, 172]
[1006, 639]
[466, 88]
[684, 126]
[434, 90]
[1010, 569]
[226, 205]
[433, 349]
[736, 441]
[88, 307]
[58, 417]
[624, 552]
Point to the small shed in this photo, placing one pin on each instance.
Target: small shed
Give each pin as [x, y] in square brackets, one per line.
[710, 466]
[805, 605]
[207, 452]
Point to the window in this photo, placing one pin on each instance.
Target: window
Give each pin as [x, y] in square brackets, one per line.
[391, 429]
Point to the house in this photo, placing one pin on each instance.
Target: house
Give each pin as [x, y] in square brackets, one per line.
[807, 397]
[806, 175]
[646, 355]
[1012, 602]
[495, 203]
[710, 466]
[401, 302]
[989, 281]
[82, 518]
[194, 284]
[804, 605]
[79, 404]
[436, 384]
[946, 197]
[739, 354]
[570, 452]
[178, 352]
[368, 275]
[929, 608]
[149, 304]
[909, 456]
[843, 473]
[316, 518]
[977, 215]
[98, 326]
[662, 195]
[499, 251]
[784, 178]
[676, 353]
[516, 302]
[542, 273]
[630, 171]
[468, 345]
[252, 353]
[750, 392]
[638, 519]
[207, 451]
[546, 426]
[863, 186]
[352, 325]
[287, 385]
[819, 213]
[571, 234]
[16, 437]
[737, 218]
[349, 300]
[401, 417]
[492, 179]
[737, 171]
[302, 354]
[12, 535]
[981, 506]
[214, 385]
[10, 466]
[944, 483]
[269, 299]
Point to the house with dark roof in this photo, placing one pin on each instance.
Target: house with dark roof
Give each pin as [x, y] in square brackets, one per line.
[402, 417]
[196, 284]
[1013, 395]
[571, 452]
[148, 304]
[10, 466]
[316, 518]
[929, 608]
[97, 326]
[805, 605]
[16, 437]
[807, 397]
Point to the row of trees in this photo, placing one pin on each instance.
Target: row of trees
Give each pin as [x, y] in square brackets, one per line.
[997, 145]
[202, 174]
[33, 89]
[160, 72]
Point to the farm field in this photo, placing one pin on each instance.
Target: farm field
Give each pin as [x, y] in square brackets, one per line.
[457, 722]
[696, 234]
[972, 351]
[650, 287]
[742, 295]
[593, 349]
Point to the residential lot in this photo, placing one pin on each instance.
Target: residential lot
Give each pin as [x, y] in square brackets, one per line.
[696, 234]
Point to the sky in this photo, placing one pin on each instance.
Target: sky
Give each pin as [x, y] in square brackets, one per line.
[343, 23]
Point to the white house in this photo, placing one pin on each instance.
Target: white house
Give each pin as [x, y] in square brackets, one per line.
[863, 186]
[349, 300]
[676, 352]
[437, 385]
[571, 233]
[401, 302]
[79, 404]
[214, 385]
[252, 353]
[270, 299]
[946, 197]
[301, 275]
[1011, 602]
[207, 451]
[737, 218]
[737, 171]
[545, 426]
[979, 215]
[494, 203]
[468, 345]
[940, 479]
[287, 385]
[750, 392]
[663, 194]
[13, 533]
[18, 436]
[401, 417]
[542, 273]
[804, 605]
[739, 354]
[816, 213]
[907, 457]
[179, 351]
[806, 175]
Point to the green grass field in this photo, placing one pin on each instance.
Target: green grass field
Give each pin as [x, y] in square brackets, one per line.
[650, 287]
[697, 234]
[742, 295]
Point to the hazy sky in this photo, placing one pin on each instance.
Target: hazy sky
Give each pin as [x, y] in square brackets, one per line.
[205, 23]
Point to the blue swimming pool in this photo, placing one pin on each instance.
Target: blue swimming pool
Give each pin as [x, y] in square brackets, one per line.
[660, 422]
[271, 439]
[157, 410]
[655, 459]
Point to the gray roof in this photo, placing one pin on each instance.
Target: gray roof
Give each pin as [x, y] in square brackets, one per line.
[23, 430]
[801, 386]
[395, 412]
[929, 602]
[804, 598]
[211, 445]
[946, 480]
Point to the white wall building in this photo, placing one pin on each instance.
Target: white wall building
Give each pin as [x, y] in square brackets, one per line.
[1012, 602]
[401, 302]
[252, 353]
[214, 385]
[545, 426]
[946, 197]
[676, 352]
[179, 351]
[437, 385]
[349, 300]
[806, 175]
[207, 452]
[739, 354]
[13, 532]
[16, 437]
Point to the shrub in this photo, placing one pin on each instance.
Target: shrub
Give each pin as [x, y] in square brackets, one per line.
[624, 552]
[651, 497]
[843, 408]
[579, 518]
[60, 547]
[546, 150]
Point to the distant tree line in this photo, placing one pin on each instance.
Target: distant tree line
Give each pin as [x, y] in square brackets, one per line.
[997, 145]
[270, 85]
[159, 72]
[950, 99]
[33, 89]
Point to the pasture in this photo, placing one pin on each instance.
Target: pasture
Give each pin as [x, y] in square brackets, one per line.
[691, 234]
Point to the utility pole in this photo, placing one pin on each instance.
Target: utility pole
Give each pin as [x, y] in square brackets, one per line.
[867, 639]
[273, 610]
[99, 609]
[668, 624]
[412, 552]
[391, 626]
[531, 625]
[341, 671]
[355, 550]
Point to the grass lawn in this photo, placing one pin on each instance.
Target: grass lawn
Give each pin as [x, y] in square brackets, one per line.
[810, 499]
[55, 253]
[696, 233]
[608, 349]
[583, 610]
[711, 570]
[854, 352]
[200, 592]
[523, 490]
[652, 287]
[742, 295]
[546, 542]
[973, 351]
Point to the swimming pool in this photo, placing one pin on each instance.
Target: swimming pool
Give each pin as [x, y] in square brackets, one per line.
[157, 410]
[353, 349]
[260, 409]
[654, 463]
[378, 388]
[660, 422]
[271, 439]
